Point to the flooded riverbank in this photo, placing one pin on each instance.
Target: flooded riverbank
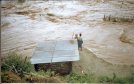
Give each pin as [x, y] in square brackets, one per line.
[24, 25]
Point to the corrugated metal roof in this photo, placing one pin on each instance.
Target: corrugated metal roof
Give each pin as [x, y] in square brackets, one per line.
[55, 51]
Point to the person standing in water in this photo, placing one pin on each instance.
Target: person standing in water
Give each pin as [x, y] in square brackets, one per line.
[80, 41]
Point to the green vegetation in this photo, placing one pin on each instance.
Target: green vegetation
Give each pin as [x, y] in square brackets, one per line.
[17, 69]
[16, 64]
[77, 78]
[92, 78]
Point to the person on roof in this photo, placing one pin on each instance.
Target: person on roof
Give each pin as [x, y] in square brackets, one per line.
[76, 36]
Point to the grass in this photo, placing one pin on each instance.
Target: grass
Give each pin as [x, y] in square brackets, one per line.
[15, 63]
[77, 78]
[92, 78]
[16, 69]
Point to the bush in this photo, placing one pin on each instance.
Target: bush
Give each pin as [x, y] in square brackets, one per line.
[14, 62]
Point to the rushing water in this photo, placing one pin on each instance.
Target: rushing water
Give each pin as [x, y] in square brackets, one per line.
[21, 32]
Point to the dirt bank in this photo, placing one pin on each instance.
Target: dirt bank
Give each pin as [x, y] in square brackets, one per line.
[89, 63]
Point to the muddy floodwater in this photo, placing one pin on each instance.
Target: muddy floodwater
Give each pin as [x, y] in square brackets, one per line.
[24, 25]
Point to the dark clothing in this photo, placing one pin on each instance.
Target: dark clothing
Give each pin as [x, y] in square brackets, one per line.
[80, 42]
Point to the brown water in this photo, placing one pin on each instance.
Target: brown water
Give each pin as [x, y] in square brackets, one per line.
[24, 25]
